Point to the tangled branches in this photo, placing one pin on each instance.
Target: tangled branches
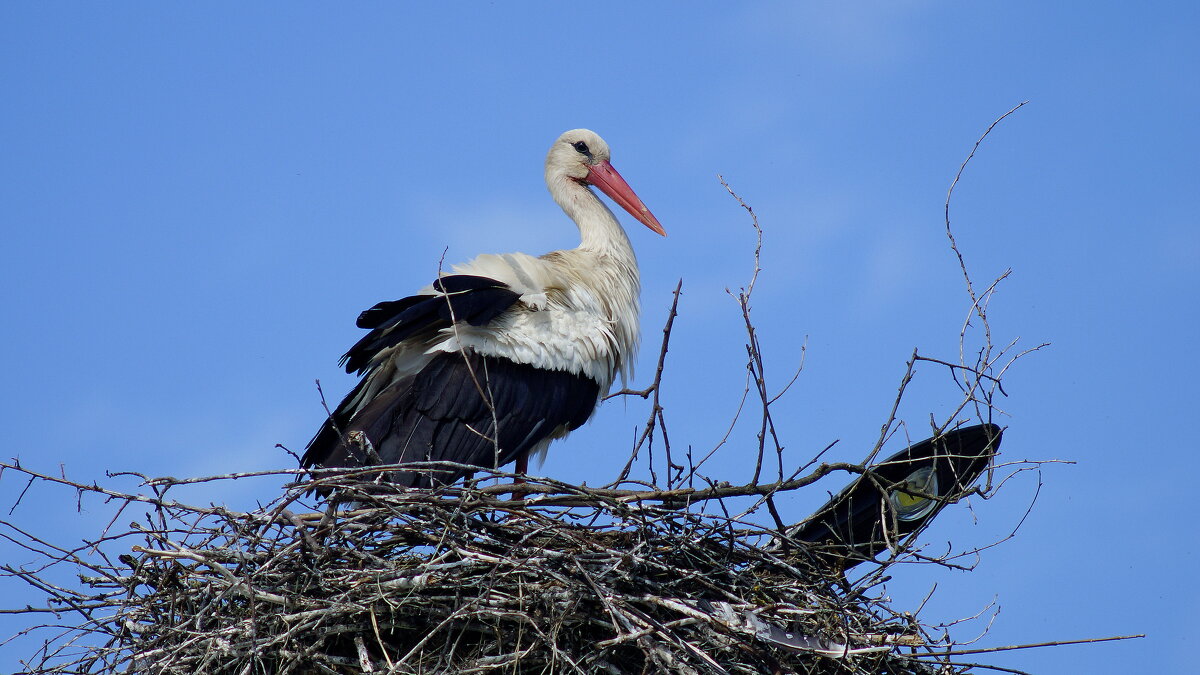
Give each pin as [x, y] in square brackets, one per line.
[459, 580]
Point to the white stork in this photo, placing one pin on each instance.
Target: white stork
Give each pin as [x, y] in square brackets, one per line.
[507, 353]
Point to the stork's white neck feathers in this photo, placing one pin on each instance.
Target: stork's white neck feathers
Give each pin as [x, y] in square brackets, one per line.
[599, 229]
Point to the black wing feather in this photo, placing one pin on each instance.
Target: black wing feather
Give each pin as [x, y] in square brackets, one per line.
[471, 299]
[385, 311]
[442, 414]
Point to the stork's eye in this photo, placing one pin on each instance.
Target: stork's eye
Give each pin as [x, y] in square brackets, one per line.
[581, 147]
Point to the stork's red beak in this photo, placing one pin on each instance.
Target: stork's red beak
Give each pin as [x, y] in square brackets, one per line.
[605, 177]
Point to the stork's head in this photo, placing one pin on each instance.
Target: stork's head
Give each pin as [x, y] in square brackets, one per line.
[582, 157]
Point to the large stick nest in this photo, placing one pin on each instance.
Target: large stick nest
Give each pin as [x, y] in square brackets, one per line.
[470, 580]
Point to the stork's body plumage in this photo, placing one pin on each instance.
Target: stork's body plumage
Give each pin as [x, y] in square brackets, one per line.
[494, 361]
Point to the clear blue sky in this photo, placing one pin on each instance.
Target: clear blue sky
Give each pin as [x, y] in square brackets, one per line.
[198, 200]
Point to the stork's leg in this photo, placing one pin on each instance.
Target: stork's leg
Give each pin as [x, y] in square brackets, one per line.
[521, 469]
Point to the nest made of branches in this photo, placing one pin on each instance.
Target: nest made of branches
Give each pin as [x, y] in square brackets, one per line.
[469, 579]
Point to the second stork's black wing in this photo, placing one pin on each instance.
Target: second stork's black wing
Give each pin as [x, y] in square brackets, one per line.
[900, 495]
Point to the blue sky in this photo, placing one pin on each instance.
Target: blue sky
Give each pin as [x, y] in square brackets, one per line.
[198, 201]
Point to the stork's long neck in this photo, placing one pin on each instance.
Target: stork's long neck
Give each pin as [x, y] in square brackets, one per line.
[609, 265]
[599, 230]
